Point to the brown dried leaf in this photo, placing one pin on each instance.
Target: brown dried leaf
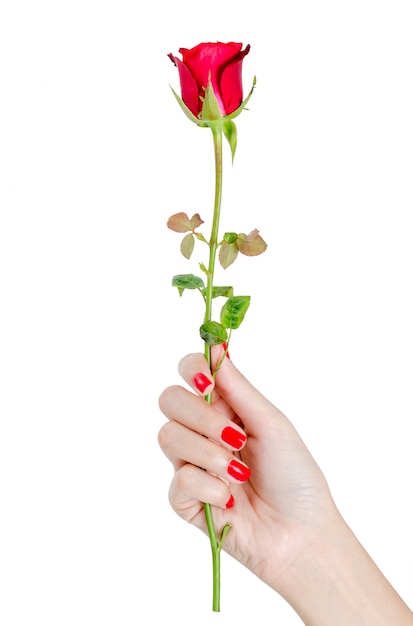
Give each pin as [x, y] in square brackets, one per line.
[196, 221]
[252, 244]
[181, 223]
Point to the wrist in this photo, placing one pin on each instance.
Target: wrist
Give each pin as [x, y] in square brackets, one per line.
[334, 581]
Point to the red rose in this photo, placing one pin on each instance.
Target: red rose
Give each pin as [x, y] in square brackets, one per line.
[221, 63]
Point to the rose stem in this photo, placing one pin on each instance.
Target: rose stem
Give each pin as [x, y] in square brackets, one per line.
[213, 245]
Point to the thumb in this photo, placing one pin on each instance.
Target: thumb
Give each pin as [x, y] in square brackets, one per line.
[254, 409]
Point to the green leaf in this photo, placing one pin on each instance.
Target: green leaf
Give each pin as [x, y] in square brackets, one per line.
[224, 533]
[187, 281]
[213, 333]
[228, 252]
[230, 132]
[181, 223]
[187, 245]
[230, 237]
[233, 311]
[226, 292]
[252, 244]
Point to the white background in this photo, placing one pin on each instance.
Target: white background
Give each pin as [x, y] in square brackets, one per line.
[95, 155]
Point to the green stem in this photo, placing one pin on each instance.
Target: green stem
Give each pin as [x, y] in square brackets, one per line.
[213, 246]
[216, 558]
[213, 242]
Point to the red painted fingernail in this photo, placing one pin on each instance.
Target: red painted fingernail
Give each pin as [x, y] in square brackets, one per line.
[238, 470]
[230, 502]
[233, 437]
[225, 346]
[201, 382]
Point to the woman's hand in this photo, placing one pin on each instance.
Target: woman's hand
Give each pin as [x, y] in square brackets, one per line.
[244, 457]
[259, 475]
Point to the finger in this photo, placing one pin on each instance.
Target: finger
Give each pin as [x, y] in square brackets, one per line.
[182, 445]
[195, 371]
[255, 411]
[191, 487]
[194, 413]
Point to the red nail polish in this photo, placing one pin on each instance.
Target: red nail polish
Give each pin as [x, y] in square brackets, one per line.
[233, 437]
[201, 382]
[225, 346]
[238, 470]
[230, 502]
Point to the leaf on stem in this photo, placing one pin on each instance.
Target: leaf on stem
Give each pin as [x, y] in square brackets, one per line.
[226, 292]
[213, 333]
[252, 244]
[187, 281]
[224, 533]
[234, 310]
[230, 237]
[230, 132]
[181, 223]
[187, 245]
[228, 252]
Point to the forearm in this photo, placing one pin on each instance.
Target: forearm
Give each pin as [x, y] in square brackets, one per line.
[334, 581]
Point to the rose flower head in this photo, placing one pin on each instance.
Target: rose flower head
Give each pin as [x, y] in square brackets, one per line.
[211, 78]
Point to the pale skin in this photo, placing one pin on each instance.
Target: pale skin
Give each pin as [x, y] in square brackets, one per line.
[285, 526]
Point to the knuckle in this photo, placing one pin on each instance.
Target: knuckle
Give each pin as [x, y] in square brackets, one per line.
[165, 398]
[165, 435]
[190, 362]
[186, 479]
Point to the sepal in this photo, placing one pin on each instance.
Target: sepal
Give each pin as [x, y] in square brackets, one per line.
[187, 111]
[210, 107]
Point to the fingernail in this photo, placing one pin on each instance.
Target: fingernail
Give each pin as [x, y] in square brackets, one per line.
[230, 502]
[201, 382]
[238, 470]
[225, 346]
[233, 437]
